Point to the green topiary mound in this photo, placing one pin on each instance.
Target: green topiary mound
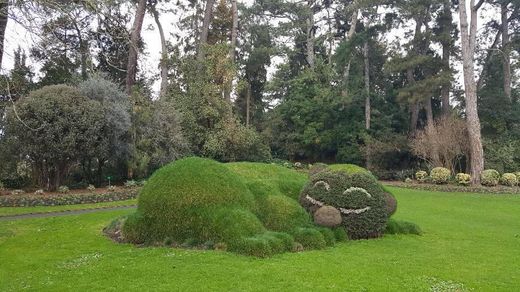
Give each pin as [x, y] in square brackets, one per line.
[239, 206]
[358, 197]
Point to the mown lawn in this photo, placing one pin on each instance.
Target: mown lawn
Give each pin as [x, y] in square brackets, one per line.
[470, 242]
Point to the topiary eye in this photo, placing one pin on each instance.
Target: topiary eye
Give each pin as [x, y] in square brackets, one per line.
[323, 184]
[354, 189]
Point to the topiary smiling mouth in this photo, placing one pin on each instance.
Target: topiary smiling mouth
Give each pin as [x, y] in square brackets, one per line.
[342, 210]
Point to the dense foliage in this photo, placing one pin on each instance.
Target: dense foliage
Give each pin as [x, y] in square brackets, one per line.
[358, 197]
[245, 208]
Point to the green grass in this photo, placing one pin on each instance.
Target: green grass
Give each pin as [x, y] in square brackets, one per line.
[470, 241]
[5, 211]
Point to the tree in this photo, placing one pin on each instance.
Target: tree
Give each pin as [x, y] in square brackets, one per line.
[4, 16]
[468, 36]
[59, 126]
[163, 63]
[135, 36]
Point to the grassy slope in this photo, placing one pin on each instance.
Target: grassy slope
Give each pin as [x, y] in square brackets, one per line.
[44, 209]
[469, 239]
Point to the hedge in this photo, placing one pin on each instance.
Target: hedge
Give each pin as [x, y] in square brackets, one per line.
[30, 200]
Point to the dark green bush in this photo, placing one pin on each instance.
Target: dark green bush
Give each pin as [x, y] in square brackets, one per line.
[402, 227]
[310, 238]
[246, 207]
[358, 196]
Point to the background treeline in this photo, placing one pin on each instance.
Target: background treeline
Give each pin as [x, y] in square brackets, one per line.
[367, 82]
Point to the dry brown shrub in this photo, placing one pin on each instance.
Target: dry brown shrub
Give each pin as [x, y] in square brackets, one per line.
[442, 143]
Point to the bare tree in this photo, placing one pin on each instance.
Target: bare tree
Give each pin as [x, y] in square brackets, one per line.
[442, 143]
[135, 36]
[468, 34]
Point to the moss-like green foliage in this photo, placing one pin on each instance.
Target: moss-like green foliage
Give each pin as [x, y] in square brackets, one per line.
[489, 177]
[402, 227]
[440, 175]
[421, 176]
[358, 196]
[245, 207]
[317, 168]
[349, 168]
[463, 179]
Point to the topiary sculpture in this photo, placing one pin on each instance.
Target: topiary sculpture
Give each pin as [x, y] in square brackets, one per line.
[509, 179]
[201, 202]
[489, 177]
[358, 197]
[440, 175]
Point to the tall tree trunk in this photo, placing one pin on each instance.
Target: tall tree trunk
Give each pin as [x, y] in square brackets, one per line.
[163, 63]
[414, 116]
[350, 34]
[310, 35]
[203, 38]
[429, 111]
[367, 85]
[506, 50]
[248, 104]
[446, 54]
[234, 35]
[135, 35]
[4, 13]
[468, 38]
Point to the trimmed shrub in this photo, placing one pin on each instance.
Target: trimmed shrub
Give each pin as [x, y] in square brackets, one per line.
[28, 200]
[91, 188]
[112, 188]
[402, 227]
[440, 175]
[509, 179]
[421, 176]
[39, 192]
[242, 206]
[463, 179]
[517, 174]
[408, 180]
[309, 238]
[358, 196]
[63, 189]
[489, 177]
[349, 168]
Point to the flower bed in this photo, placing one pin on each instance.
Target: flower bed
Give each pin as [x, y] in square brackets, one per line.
[29, 200]
[454, 188]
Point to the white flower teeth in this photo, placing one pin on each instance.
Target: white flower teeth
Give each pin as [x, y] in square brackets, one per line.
[355, 211]
[322, 183]
[353, 189]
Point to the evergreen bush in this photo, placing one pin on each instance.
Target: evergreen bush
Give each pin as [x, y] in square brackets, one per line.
[440, 175]
[489, 177]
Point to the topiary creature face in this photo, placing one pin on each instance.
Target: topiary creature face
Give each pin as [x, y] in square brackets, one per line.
[358, 197]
